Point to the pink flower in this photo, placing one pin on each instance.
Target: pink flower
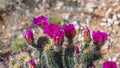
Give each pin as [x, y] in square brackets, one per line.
[51, 29]
[77, 49]
[41, 21]
[70, 31]
[28, 35]
[110, 64]
[6, 58]
[99, 37]
[59, 38]
[86, 34]
[32, 64]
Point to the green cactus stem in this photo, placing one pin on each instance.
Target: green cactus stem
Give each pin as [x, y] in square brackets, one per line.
[85, 45]
[70, 42]
[42, 40]
[95, 52]
[69, 57]
[53, 58]
[77, 61]
[95, 48]
[86, 59]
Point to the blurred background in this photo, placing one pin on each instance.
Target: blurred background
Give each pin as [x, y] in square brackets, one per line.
[16, 16]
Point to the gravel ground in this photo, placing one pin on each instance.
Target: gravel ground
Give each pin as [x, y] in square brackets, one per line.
[101, 15]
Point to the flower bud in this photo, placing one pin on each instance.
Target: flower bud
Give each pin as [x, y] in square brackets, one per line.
[6, 58]
[86, 34]
[32, 64]
[28, 35]
[77, 50]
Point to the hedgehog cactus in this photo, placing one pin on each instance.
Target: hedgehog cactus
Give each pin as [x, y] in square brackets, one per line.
[70, 33]
[87, 38]
[77, 56]
[86, 59]
[52, 57]
[42, 40]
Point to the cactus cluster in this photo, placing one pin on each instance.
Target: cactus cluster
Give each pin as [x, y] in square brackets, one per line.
[54, 54]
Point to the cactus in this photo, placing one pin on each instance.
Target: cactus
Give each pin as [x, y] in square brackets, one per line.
[42, 40]
[86, 59]
[99, 63]
[53, 58]
[77, 61]
[95, 52]
[85, 45]
[69, 57]
[17, 44]
[95, 48]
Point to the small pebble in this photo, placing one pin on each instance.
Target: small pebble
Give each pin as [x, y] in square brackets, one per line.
[91, 6]
[102, 24]
[109, 20]
[114, 58]
[114, 17]
[116, 22]
[118, 15]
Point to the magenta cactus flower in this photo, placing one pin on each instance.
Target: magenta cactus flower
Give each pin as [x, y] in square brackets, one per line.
[70, 31]
[32, 64]
[59, 38]
[77, 49]
[86, 34]
[99, 37]
[28, 35]
[110, 64]
[41, 21]
[51, 29]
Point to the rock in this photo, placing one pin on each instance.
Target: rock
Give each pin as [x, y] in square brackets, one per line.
[75, 22]
[83, 25]
[4, 65]
[103, 24]
[76, 25]
[113, 31]
[116, 22]
[104, 19]
[80, 38]
[90, 7]
[108, 11]
[114, 17]
[66, 16]
[106, 45]
[114, 58]
[109, 20]
[118, 15]
[59, 5]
